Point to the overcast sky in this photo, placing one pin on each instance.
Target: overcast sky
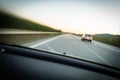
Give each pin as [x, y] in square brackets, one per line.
[77, 16]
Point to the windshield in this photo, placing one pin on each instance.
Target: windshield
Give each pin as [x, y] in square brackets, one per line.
[88, 35]
[57, 26]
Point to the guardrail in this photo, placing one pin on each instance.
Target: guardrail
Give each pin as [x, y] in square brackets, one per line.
[22, 37]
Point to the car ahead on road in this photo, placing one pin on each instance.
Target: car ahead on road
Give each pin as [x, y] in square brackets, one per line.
[86, 37]
[22, 63]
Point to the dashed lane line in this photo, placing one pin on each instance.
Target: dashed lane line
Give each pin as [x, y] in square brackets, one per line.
[41, 43]
[95, 54]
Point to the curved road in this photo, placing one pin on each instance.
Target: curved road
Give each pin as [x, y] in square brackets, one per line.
[73, 46]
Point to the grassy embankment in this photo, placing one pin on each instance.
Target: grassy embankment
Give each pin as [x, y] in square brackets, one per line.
[113, 40]
[13, 22]
[109, 40]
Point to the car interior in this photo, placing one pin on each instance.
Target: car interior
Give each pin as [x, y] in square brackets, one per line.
[21, 63]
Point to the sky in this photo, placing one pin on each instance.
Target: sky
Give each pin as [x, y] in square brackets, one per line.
[76, 16]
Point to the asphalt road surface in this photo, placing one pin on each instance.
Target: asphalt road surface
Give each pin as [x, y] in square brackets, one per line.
[73, 46]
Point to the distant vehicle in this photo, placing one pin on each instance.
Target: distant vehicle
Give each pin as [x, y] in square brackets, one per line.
[86, 37]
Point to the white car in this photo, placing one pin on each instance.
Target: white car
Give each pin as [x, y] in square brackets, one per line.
[86, 37]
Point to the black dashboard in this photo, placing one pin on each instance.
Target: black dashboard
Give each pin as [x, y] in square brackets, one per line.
[21, 63]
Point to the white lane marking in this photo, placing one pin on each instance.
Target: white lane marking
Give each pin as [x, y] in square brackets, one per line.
[95, 54]
[51, 49]
[92, 51]
[41, 43]
[102, 45]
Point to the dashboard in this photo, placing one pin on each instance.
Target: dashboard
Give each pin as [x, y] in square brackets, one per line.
[21, 63]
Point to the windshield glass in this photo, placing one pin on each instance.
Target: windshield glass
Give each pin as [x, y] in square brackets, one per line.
[88, 35]
[57, 26]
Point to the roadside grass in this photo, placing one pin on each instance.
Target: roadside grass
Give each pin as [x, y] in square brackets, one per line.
[11, 23]
[20, 39]
[109, 40]
[14, 22]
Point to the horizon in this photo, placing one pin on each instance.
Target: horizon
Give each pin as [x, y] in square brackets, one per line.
[74, 16]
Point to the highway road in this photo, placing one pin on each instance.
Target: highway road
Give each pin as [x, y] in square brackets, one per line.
[73, 46]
